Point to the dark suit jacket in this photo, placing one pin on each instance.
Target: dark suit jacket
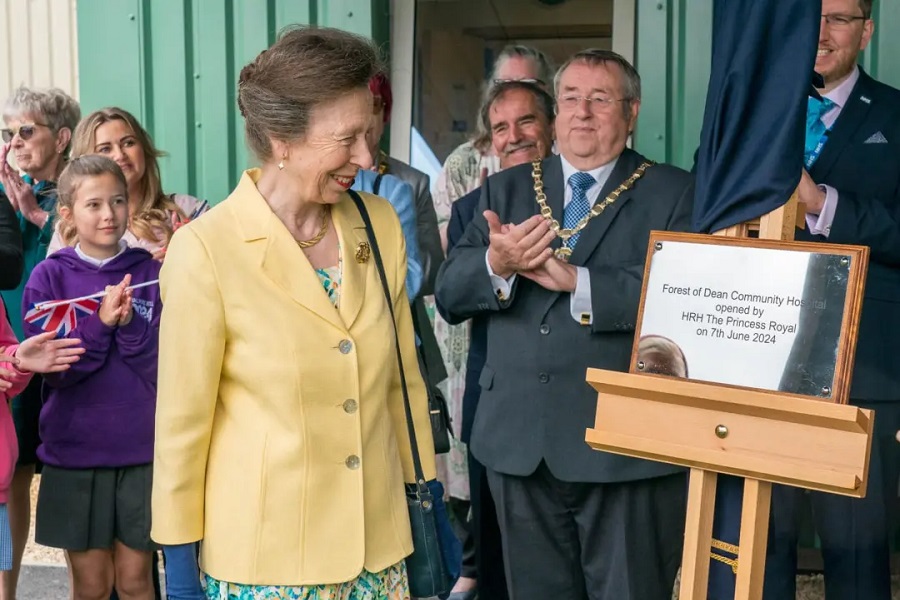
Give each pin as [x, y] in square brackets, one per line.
[461, 213]
[11, 261]
[867, 177]
[535, 403]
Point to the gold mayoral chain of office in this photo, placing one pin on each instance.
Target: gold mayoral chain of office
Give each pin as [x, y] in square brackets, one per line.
[562, 252]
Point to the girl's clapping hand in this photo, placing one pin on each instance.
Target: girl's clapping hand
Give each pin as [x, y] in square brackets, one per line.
[113, 309]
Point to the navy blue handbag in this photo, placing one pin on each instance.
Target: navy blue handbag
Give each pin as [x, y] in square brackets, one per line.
[426, 568]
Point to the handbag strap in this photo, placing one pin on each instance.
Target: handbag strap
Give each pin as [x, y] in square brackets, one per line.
[379, 264]
[377, 184]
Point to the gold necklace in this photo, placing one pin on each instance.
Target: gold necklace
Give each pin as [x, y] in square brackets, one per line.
[564, 253]
[318, 237]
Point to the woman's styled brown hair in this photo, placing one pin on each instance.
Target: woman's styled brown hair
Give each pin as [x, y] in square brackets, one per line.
[152, 211]
[76, 170]
[306, 67]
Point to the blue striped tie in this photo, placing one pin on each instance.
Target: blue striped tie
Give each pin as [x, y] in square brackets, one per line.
[578, 207]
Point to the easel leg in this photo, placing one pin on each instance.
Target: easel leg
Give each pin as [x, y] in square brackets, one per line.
[698, 535]
[754, 537]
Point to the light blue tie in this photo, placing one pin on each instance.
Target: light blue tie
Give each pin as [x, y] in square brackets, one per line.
[815, 128]
[578, 207]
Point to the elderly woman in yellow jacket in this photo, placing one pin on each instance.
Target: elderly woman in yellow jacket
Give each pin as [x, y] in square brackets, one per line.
[281, 436]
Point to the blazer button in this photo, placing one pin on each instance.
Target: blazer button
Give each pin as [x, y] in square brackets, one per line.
[543, 378]
[352, 462]
[350, 406]
[345, 346]
[545, 329]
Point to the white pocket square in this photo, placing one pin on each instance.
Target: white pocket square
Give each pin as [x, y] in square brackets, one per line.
[876, 138]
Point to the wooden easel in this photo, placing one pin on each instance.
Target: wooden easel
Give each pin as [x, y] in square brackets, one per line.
[762, 436]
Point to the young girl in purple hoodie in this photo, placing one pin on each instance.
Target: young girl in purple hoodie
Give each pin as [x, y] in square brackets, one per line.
[97, 421]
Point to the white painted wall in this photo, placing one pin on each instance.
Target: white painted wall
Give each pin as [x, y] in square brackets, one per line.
[38, 45]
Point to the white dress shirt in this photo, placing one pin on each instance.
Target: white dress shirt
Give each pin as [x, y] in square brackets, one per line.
[580, 299]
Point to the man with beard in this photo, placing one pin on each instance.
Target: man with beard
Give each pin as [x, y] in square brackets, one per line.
[576, 523]
[519, 117]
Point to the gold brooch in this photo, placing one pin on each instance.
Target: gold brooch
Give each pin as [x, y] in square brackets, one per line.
[362, 252]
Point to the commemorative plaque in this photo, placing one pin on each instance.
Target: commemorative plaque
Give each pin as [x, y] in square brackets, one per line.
[741, 365]
[766, 315]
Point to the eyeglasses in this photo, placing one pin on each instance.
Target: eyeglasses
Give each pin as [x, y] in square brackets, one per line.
[23, 131]
[530, 80]
[842, 21]
[596, 104]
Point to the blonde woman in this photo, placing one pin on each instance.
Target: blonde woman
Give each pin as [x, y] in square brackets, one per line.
[153, 215]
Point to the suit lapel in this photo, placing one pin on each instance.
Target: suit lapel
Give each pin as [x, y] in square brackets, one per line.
[851, 118]
[597, 227]
[282, 261]
[354, 275]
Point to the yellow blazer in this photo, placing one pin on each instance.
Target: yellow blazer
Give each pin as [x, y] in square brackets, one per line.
[281, 437]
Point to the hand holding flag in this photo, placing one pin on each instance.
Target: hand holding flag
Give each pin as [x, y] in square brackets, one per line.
[55, 303]
[116, 307]
[61, 316]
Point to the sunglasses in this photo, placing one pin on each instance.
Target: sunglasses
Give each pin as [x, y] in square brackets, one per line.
[25, 132]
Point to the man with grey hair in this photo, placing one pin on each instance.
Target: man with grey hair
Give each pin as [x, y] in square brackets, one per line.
[576, 523]
[462, 172]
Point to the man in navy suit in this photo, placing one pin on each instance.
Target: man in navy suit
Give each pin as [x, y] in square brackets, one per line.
[519, 117]
[851, 189]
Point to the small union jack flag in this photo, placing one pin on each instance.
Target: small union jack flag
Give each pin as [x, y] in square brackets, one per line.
[64, 317]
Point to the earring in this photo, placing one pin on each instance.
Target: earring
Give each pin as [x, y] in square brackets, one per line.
[281, 164]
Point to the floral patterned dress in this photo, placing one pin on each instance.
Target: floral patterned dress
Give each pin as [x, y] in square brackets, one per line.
[462, 173]
[389, 584]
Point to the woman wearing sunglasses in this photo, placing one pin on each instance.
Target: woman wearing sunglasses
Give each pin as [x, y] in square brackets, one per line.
[37, 131]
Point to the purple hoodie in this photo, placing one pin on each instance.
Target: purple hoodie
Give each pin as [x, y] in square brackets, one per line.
[99, 413]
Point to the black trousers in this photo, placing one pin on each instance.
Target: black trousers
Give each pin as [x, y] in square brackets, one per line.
[486, 534]
[590, 541]
[855, 532]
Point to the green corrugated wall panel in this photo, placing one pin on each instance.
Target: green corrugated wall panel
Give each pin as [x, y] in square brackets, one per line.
[111, 38]
[652, 43]
[880, 59]
[673, 57]
[174, 86]
[175, 65]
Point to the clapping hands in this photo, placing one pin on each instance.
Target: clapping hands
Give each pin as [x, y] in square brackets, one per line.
[525, 249]
[19, 193]
[517, 248]
[117, 307]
